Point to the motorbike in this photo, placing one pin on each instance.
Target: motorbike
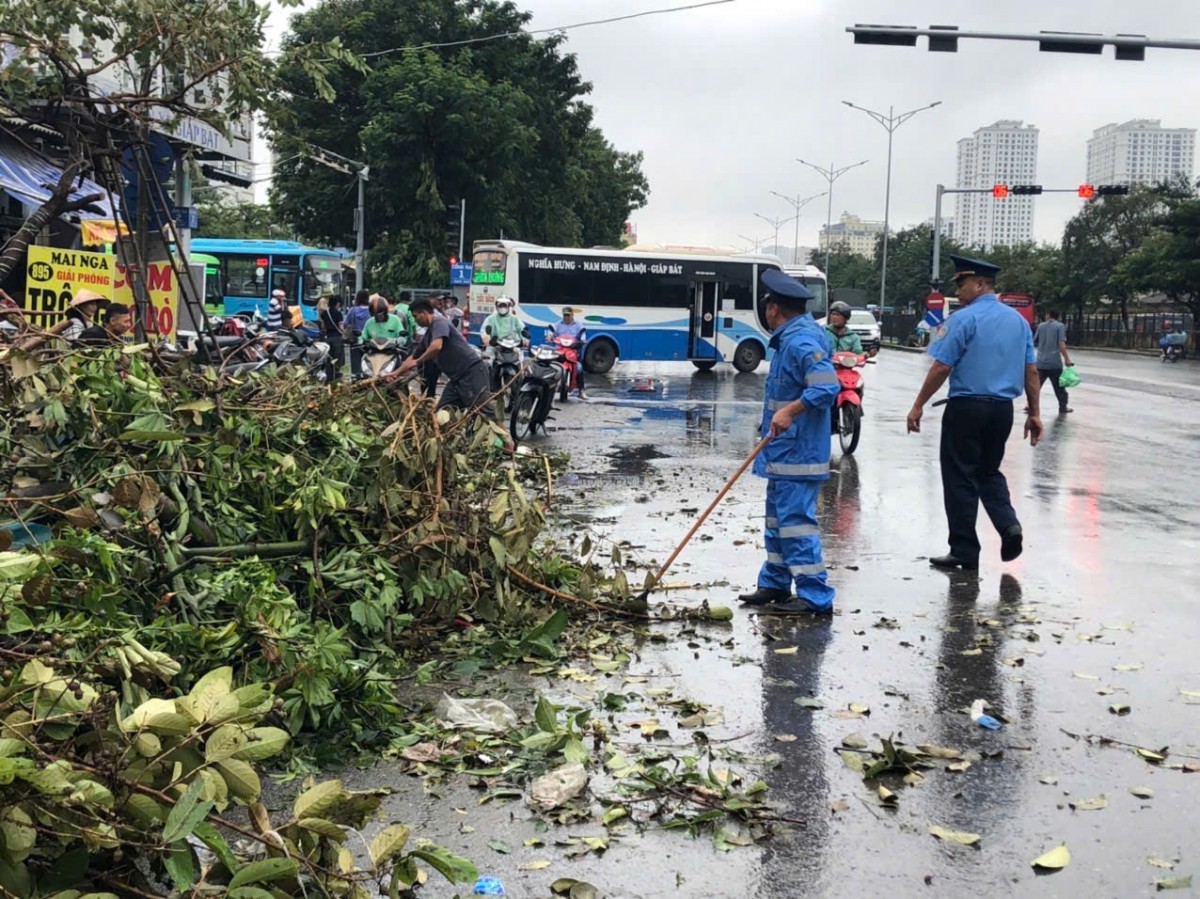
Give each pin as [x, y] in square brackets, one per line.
[568, 348]
[382, 356]
[236, 347]
[505, 363]
[298, 347]
[1173, 352]
[846, 420]
[534, 399]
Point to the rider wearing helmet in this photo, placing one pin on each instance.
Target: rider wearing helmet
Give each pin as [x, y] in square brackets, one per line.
[503, 323]
[841, 338]
[382, 325]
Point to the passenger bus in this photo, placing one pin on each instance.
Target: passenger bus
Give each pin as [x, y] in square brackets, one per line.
[244, 272]
[654, 306]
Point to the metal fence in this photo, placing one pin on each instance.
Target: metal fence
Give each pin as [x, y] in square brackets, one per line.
[897, 327]
[1140, 332]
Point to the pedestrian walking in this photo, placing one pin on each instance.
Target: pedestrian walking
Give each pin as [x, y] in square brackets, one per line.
[277, 311]
[465, 371]
[1050, 341]
[801, 388]
[329, 316]
[986, 350]
[355, 320]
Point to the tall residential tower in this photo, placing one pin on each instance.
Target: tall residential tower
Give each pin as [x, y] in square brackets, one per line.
[1001, 153]
[1140, 151]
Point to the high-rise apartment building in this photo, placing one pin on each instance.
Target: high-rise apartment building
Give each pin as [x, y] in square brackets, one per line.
[852, 234]
[1140, 151]
[1004, 152]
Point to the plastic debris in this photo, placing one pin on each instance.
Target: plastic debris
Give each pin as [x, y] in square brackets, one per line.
[983, 720]
[486, 716]
[561, 785]
[488, 886]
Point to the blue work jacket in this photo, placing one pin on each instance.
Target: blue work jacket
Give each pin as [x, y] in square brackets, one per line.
[800, 370]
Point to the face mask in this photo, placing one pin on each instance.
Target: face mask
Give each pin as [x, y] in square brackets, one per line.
[502, 310]
[381, 317]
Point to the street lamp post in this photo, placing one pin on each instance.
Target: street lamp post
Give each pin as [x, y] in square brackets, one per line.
[776, 224]
[755, 242]
[890, 122]
[830, 175]
[797, 204]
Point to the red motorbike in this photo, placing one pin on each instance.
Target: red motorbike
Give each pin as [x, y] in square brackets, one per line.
[847, 408]
[568, 348]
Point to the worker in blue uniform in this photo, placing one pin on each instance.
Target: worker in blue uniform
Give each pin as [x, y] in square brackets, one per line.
[986, 351]
[801, 388]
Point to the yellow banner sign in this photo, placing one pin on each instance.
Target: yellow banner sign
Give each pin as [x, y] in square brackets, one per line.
[54, 276]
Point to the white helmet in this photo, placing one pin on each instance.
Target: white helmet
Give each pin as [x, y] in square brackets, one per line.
[504, 301]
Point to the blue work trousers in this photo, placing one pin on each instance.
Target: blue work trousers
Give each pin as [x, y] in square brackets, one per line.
[793, 540]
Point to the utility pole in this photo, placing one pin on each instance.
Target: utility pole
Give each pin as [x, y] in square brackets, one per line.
[362, 172]
[776, 224]
[890, 122]
[797, 204]
[830, 175]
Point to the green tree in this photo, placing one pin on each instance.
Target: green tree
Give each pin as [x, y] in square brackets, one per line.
[1034, 269]
[501, 123]
[1169, 260]
[245, 221]
[1103, 234]
[94, 73]
[847, 269]
[910, 254]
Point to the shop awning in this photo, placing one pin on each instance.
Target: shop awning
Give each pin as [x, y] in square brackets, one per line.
[30, 179]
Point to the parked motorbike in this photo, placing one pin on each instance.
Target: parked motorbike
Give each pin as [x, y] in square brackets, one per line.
[534, 399]
[236, 347]
[846, 419]
[298, 347]
[505, 363]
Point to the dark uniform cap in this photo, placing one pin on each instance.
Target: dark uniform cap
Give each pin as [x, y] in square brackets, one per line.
[785, 286]
[977, 267]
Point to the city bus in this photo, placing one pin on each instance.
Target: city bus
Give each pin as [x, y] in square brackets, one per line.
[654, 306]
[244, 272]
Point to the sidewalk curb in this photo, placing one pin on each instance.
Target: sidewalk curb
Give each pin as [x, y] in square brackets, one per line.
[1080, 349]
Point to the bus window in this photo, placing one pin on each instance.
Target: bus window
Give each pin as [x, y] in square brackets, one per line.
[285, 279]
[246, 277]
[322, 277]
[818, 304]
[739, 289]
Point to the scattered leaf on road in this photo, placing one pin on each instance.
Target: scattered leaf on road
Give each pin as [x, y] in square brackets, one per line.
[854, 741]
[808, 702]
[1119, 708]
[940, 752]
[853, 761]
[786, 738]
[860, 708]
[1174, 883]
[539, 865]
[1054, 860]
[1049, 780]
[500, 846]
[1082, 676]
[1150, 755]
[840, 806]
[958, 767]
[1142, 792]
[960, 837]
[1160, 862]
[1090, 805]
[1137, 666]
[887, 797]
[787, 651]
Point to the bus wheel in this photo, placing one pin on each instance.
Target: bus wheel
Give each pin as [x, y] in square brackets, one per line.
[600, 356]
[704, 364]
[747, 356]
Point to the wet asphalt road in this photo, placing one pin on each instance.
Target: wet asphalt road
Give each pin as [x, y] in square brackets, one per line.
[1110, 503]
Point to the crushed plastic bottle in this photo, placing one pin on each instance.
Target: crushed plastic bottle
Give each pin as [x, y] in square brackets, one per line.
[983, 720]
[488, 886]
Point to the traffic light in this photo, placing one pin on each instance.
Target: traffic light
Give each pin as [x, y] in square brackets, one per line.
[1087, 192]
[1000, 191]
[453, 229]
[1018, 190]
[1112, 190]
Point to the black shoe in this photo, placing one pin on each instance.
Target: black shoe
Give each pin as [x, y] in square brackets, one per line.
[949, 562]
[1063, 410]
[764, 595]
[795, 606]
[1010, 543]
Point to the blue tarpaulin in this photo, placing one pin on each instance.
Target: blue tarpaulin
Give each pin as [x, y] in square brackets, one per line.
[31, 179]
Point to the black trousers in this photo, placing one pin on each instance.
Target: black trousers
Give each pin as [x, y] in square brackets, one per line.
[974, 432]
[429, 378]
[469, 391]
[1054, 374]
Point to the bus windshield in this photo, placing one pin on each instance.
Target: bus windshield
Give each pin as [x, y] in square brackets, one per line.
[322, 275]
[488, 267]
[819, 304]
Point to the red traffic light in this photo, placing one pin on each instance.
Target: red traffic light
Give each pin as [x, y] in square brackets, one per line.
[1087, 192]
[454, 260]
[1000, 191]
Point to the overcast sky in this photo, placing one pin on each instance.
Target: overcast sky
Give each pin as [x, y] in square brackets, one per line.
[722, 100]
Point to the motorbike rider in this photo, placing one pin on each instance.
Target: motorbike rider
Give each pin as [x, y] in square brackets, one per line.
[1172, 335]
[841, 338]
[568, 327]
[382, 325]
[502, 323]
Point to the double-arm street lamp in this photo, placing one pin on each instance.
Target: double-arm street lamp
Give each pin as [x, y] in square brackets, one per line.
[797, 204]
[776, 224]
[890, 122]
[830, 175]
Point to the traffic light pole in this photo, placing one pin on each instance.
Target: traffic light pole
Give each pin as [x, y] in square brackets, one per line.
[462, 227]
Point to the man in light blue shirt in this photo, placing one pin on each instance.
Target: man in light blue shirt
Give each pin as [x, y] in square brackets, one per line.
[986, 350]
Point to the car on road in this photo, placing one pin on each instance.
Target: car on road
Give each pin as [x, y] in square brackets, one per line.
[862, 322]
